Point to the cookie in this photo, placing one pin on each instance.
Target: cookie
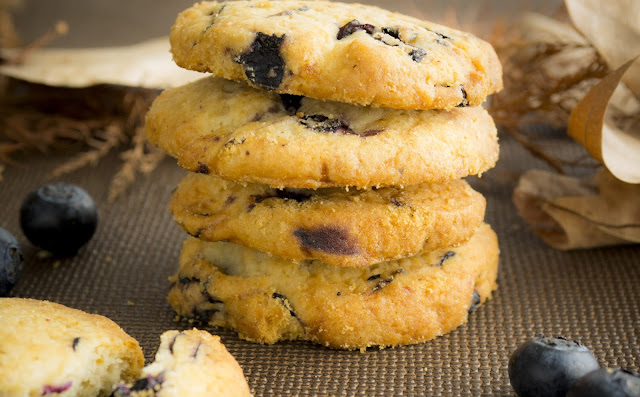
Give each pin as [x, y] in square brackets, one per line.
[348, 53]
[341, 228]
[239, 133]
[189, 363]
[47, 348]
[267, 298]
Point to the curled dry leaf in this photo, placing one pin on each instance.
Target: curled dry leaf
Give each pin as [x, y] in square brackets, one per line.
[610, 133]
[569, 213]
[607, 120]
[613, 27]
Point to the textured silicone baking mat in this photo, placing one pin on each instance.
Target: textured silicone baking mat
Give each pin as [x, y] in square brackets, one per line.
[591, 295]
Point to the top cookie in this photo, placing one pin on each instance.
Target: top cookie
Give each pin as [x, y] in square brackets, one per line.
[334, 51]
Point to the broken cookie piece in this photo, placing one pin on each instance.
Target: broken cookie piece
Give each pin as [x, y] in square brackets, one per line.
[190, 363]
[48, 349]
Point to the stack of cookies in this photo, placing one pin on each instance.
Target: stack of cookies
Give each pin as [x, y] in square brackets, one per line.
[327, 150]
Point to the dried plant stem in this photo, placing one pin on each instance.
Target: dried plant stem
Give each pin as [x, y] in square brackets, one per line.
[103, 143]
[60, 29]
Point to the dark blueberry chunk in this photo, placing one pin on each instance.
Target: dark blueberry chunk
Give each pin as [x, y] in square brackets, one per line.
[371, 132]
[391, 31]
[352, 27]
[382, 284]
[188, 280]
[464, 102]
[323, 123]
[418, 54]
[204, 315]
[59, 218]
[475, 302]
[263, 63]
[173, 342]
[195, 352]
[291, 103]
[149, 383]
[607, 382]
[257, 199]
[55, 389]
[444, 257]
[75, 342]
[11, 262]
[284, 302]
[545, 366]
[329, 239]
[202, 169]
[397, 202]
[374, 277]
[230, 200]
[298, 195]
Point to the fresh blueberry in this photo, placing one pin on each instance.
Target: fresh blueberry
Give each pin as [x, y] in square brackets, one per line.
[607, 382]
[59, 218]
[11, 264]
[548, 367]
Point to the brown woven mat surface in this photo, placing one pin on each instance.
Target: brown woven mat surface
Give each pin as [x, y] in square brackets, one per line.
[592, 295]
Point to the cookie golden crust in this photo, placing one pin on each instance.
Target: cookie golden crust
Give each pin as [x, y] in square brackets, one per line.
[190, 363]
[341, 228]
[243, 134]
[349, 53]
[47, 348]
[267, 299]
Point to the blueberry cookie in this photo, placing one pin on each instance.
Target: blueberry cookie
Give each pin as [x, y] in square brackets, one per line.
[189, 363]
[341, 228]
[239, 133]
[266, 298]
[50, 349]
[348, 53]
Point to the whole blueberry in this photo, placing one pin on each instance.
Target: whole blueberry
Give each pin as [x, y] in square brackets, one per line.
[11, 264]
[545, 366]
[59, 218]
[607, 382]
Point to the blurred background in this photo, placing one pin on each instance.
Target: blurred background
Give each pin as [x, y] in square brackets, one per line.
[120, 22]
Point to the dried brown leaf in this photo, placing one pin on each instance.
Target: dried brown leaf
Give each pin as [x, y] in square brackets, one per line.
[613, 27]
[614, 142]
[570, 213]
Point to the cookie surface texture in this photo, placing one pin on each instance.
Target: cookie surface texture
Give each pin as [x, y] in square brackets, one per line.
[349, 53]
[243, 134]
[47, 348]
[267, 298]
[341, 228]
[189, 363]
